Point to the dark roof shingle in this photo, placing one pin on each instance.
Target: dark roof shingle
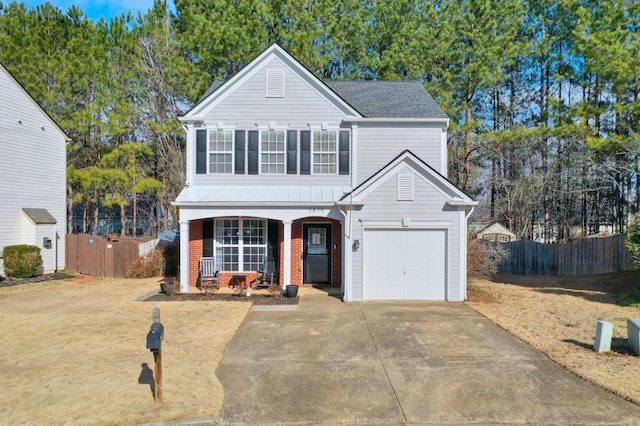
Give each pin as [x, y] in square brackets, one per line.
[388, 99]
[40, 216]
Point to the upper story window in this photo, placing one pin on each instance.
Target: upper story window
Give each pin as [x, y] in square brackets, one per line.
[220, 151]
[325, 150]
[272, 152]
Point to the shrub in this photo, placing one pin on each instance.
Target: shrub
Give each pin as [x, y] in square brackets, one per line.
[483, 258]
[633, 241]
[21, 261]
[151, 265]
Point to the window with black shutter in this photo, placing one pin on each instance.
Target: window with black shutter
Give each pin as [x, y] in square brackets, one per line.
[207, 238]
[343, 153]
[252, 157]
[201, 152]
[305, 152]
[292, 152]
[240, 152]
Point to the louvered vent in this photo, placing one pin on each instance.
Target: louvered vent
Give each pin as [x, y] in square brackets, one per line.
[275, 83]
[405, 187]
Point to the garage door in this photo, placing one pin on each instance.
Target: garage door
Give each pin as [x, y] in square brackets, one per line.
[404, 264]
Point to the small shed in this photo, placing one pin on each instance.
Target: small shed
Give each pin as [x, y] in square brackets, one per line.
[39, 229]
[497, 233]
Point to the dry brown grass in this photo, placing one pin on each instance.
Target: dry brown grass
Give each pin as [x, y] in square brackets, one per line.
[558, 316]
[73, 353]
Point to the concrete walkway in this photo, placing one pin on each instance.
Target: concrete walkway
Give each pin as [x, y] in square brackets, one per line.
[398, 363]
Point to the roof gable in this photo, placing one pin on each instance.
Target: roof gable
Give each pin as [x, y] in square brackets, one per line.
[221, 90]
[454, 195]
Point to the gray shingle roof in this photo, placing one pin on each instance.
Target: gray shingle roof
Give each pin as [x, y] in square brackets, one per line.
[388, 99]
[40, 216]
[379, 99]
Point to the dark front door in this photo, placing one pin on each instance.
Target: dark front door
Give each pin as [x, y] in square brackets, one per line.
[317, 254]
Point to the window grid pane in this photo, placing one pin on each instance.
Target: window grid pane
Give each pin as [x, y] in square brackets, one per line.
[220, 151]
[253, 258]
[272, 152]
[325, 152]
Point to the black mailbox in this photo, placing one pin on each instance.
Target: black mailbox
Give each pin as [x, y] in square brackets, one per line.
[154, 336]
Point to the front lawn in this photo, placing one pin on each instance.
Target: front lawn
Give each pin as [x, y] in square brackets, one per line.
[74, 352]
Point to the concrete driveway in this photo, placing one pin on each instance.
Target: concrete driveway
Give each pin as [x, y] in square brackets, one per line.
[398, 363]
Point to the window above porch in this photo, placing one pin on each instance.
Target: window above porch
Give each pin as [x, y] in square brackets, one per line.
[279, 151]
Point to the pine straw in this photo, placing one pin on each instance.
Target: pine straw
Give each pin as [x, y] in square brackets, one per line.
[558, 316]
[73, 353]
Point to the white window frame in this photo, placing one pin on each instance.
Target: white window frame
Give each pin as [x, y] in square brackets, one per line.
[269, 152]
[211, 152]
[315, 152]
[240, 245]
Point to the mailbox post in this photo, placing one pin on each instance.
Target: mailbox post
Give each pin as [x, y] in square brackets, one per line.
[154, 344]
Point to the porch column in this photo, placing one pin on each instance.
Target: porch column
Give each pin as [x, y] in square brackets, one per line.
[286, 276]
[184, 256]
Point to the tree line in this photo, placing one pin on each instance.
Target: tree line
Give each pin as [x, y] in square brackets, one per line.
[542, 94]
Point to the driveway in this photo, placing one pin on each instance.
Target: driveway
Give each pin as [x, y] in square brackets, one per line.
[398, 363]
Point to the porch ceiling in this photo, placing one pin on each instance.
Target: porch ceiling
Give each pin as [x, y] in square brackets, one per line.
[260, 195]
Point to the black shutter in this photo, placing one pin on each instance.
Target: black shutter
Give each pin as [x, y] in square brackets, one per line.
[239, 152]
[305, 152]
[201, 152]
[292, 152]
[343, 153]
[207, 238]
[253, 152]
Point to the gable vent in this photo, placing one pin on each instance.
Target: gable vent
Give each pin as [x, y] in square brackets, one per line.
[405, 187]
[275, 84]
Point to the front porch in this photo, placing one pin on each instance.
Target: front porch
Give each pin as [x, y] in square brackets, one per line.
[307, 251]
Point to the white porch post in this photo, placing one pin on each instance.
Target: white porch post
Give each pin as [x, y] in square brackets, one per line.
[286, 277]
[184, 256]
[347, 256]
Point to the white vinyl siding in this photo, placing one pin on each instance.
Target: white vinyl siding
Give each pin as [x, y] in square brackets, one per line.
[241, 244]
[32, 172]
[220, 151]
[301, 104]
[378, 144]
[325, 155]
[272, 153]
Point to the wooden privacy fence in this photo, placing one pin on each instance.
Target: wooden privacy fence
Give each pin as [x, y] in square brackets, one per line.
[579, 257]
[103, 256]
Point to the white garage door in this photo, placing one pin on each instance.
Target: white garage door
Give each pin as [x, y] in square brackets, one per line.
[404, 264]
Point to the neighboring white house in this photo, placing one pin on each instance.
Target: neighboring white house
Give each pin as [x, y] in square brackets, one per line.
[339, 184]
[32, 175]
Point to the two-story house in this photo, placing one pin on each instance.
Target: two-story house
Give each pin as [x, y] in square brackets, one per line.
[33, 168]
[342, 183]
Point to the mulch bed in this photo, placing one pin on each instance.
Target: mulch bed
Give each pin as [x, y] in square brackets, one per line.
[8, 282]
[256, 299]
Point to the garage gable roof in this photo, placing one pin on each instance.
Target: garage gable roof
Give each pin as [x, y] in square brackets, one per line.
[455, 196]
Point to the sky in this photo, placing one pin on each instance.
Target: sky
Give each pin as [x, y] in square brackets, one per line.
[95, 9]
